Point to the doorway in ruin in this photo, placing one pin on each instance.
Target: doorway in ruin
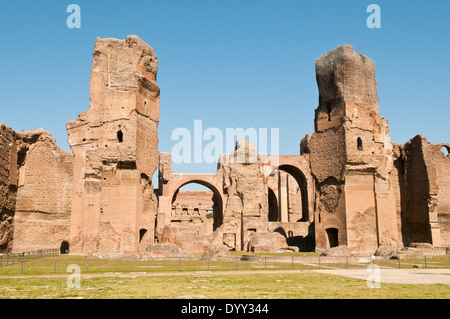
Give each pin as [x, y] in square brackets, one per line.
[197, 204]
[273, 206]
[288, 196]
[142, 233]
[64, 248]
[333, 237]
[288, 207]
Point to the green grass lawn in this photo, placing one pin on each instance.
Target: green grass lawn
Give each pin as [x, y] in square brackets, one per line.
[305, 285]
[131, 282]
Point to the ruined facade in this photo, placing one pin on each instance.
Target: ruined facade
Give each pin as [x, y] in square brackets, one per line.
[43, 202]
[355, 199]
[350, 185]
[115, 147]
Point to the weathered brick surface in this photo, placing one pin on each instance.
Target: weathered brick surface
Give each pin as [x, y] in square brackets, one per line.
[115, 144]
[8, 186]
[44, 195]
[350, 187]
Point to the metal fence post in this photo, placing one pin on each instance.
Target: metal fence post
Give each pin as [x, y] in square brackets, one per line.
[346, 257]
[148, 266]
[87, 264]
[425, 261]
[399, 264]
[118, 264]
[179, 263]
[237, 263]
[54, 267]
[208, 262]
[21, 268]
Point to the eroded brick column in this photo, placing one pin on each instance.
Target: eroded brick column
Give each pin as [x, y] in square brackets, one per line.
[115, 144]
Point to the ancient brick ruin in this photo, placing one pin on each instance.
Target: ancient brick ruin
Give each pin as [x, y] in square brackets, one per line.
[350, 185]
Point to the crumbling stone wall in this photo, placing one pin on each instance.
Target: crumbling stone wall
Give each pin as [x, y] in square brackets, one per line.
[194, 209]
[115, 144]
[42, 216]
[351, 155]
[351, 185]
[240, 186]
[426, 170]
[398, 182]
[442, 164]
[246, 210]
[8, 186]
[328, 172]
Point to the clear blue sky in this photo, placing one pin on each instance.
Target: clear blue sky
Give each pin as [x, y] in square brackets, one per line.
[233, 63]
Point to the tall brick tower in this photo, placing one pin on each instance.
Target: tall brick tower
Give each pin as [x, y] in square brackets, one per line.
[351, 156]
[115, 144]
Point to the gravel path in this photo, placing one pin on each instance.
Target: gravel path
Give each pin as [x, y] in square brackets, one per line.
[397, 276]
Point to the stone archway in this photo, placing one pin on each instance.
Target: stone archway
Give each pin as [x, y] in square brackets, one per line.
[64, 248]
[186, 226]
[288, 186]
[217, 198]
[298, 167]
[300, 178]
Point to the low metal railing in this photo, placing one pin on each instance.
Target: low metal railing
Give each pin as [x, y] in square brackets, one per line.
[246, 262]
[11, 259]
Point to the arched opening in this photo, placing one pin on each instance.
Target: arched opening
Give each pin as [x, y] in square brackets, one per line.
[292, 201]
[446, 150]
[333, 237]
[64, 248]
[142, 233]
[204, 202]
[274, 214]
